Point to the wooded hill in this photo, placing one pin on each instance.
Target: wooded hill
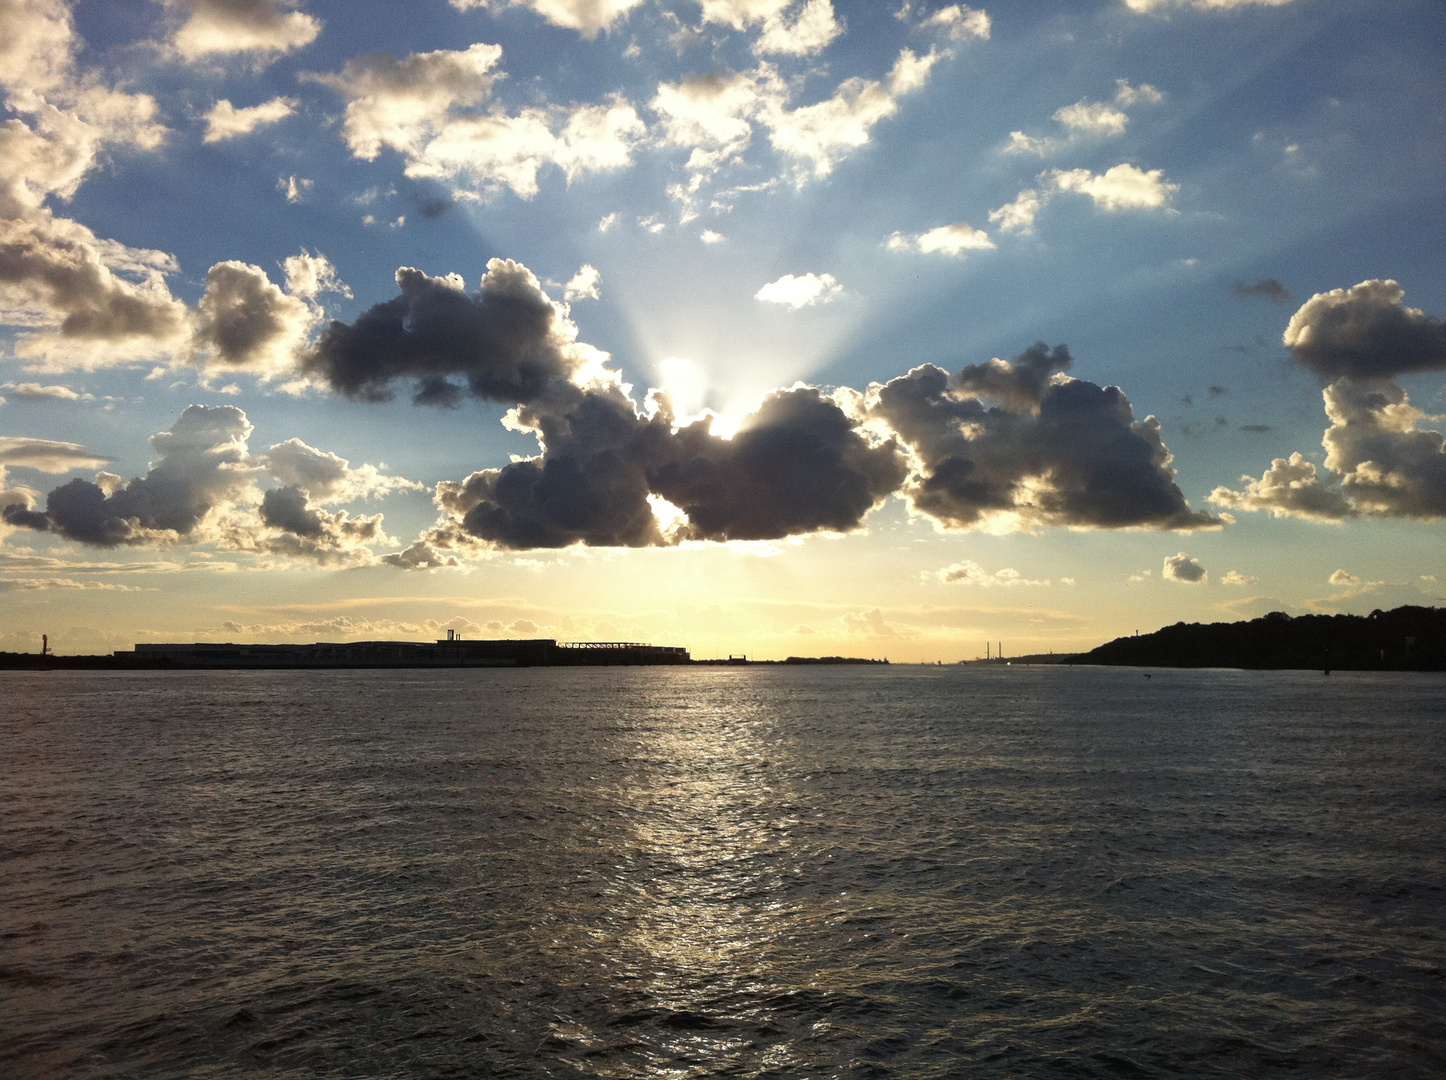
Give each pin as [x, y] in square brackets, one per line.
[1405, 639]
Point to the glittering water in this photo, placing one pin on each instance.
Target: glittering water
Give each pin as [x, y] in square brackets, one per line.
[903, 872]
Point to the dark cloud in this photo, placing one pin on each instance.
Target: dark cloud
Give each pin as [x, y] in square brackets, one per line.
[1267, 288]
[245, 320]
[799, 464]
[506, 342]
[1365, 332]
[1071, 455]
[288, 509]
[203, 462]
[433, 206]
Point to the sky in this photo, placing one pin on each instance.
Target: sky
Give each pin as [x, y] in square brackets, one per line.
[780, 327]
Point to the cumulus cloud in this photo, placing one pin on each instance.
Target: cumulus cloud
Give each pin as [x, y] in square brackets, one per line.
[1379, 461]
[967, 572]
[1200, 5]
[244, 320]
[1365, 332]
[84, 301]
[1266, 288]
[1120, 187]
[30, 391]
[429, 107]
[1235, 577]
[587, 17]
[953, 240]
[1085, 119]
[266, 29]
[1054, 450]
[225, 121]
[798, 464]
[787, 27]
[959, 22]
[1183, 569]
[202, 489]
[506, 342]
[1291, 487]
[801, 290]
[715, 117]
[202, 462]
[583, 285]
[325, 477]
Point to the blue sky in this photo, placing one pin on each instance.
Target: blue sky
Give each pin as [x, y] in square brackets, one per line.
[830, 234]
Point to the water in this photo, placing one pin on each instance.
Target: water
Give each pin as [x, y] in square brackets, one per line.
[902, 872]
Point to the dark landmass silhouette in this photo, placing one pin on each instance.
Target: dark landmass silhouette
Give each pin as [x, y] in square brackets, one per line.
[1404, 639]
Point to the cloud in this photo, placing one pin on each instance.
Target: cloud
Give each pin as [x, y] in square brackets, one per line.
[506, 342]
[84, 301]
[1018, 216]
[958, 22]
[1266, 288]
[201, 489]
[36, 584]
[953, 240]
[967, 572]
[1365, 332]
[1183, 569]
[267, 29]
[243, 320]
[45, 455]
[796, 465]
[1291, 487]
[587, 17]
[36, 392]
[427, 107]
[202, 462]
[715, 116]
[787, 27]
[1379, 461]
[1340, 577]
[584, 285]
[708, 236]
[1144, 6]
[1235, 577]
[1053, 451]
[803, 290]
[225, 121]
[325, 477]
[1085, 119]
[1120, 187]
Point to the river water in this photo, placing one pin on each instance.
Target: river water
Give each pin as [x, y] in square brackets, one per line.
[755, 872]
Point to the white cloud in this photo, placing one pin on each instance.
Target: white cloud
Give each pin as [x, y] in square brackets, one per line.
[46, 455]
[1340, 577]
[265, 28]
[585, 284]
[426, 107]
[800, 291]
[30, 391]
[326, 477]
[1235, 577]
[959, 21]
[607, 222]
[708, 236]
[1018, 216]
[1121, 187]
[811, 30]
[1291, 487]
[294, 187]
[1085, 119]
[715, 116]
[968, 572]
[1201, 5]
[953, 240]
[225, 121]
[587, 17]
[1183, 569]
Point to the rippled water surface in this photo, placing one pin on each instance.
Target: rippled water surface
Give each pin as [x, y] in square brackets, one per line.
[902, 872]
